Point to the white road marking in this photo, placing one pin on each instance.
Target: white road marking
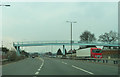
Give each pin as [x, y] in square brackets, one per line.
[40, 66]
[82, 70]
[38, 69]
[42, 63]
[64, 63]
[36, 73]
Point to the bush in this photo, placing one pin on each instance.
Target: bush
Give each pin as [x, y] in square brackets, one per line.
[12, 56]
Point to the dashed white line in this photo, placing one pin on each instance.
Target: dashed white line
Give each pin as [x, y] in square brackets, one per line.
[82, 70]
[64, 63]
[36, 73]
[42, 63]
[40, 67]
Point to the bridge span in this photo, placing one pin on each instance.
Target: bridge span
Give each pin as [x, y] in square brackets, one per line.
[17, 45]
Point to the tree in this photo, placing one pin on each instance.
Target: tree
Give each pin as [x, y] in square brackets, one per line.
[87, 36]
[110, 37]
[4, 49]
[11, 55]
[23, 52]
[48, 53]
[59, 52]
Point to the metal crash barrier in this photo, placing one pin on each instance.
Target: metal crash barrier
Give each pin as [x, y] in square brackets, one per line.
[103, 60]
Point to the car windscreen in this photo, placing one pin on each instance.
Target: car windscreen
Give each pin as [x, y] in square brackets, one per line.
[97, 51]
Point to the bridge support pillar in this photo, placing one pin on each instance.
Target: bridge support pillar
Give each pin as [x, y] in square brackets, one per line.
[18, 50]
[63, 50]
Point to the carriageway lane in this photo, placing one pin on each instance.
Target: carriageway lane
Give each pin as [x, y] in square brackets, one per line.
[97, 69]
[24, 67]
[53, 66]
[57, 67]
[35, 66]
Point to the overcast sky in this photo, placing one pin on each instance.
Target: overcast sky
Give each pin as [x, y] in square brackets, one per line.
[39, 21]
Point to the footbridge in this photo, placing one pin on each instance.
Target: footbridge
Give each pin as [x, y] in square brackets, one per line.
[17, 45]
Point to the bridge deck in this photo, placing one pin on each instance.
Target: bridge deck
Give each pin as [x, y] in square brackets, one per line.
[44, 43]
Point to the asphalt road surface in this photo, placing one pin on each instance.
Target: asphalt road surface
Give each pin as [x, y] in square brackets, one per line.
[53, 66]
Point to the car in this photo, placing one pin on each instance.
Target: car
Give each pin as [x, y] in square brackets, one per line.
[33, 56]
[54, 56]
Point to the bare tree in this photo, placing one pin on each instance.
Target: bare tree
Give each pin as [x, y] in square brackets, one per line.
[110, 37]
[87, 36]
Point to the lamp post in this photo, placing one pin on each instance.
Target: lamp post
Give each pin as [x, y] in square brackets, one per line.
[71, 30]
[2, 44]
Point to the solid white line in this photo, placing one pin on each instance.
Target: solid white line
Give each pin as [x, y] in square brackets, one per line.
[36, 73]
[82, 69]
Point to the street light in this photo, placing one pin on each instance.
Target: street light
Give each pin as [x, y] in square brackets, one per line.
[71, 30]
[2, 44]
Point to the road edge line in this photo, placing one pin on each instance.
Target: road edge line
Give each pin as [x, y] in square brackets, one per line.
[82, 70]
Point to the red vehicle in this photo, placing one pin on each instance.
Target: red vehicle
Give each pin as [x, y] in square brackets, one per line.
[96, 53]
[89, 53]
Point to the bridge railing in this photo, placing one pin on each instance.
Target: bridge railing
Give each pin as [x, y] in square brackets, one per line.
[37, 42]
[61, 41]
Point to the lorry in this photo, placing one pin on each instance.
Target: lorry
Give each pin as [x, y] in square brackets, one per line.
[89, 53]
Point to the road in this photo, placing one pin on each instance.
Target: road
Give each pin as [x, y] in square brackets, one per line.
[53, 66]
